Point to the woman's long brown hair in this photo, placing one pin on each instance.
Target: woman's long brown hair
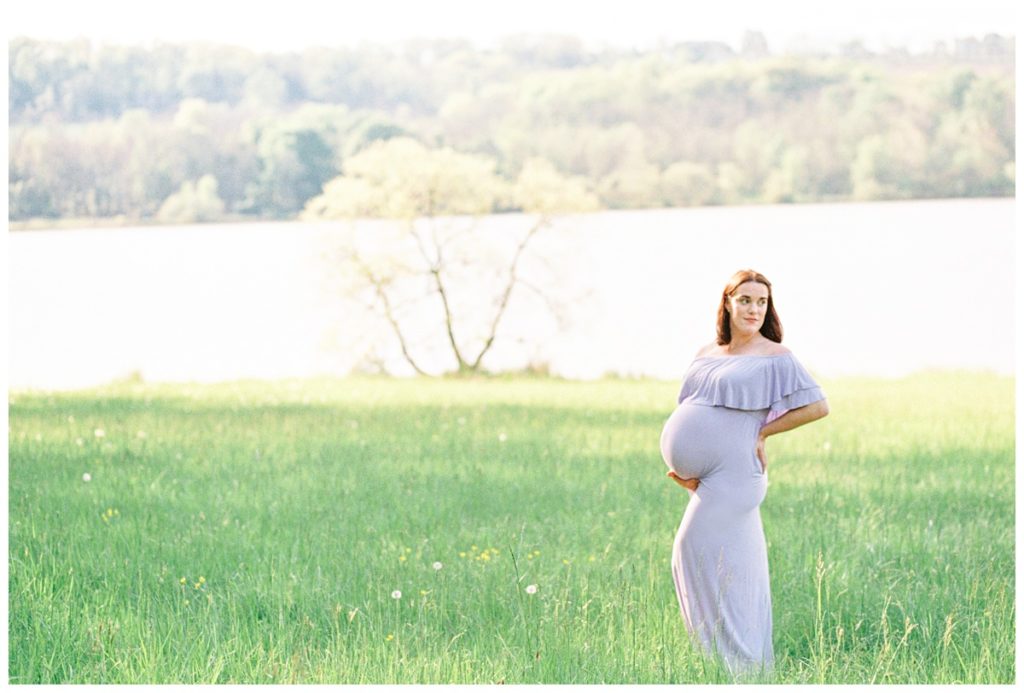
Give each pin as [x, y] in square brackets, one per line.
[770, 328]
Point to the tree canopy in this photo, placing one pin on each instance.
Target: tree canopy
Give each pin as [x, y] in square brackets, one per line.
[104, 131]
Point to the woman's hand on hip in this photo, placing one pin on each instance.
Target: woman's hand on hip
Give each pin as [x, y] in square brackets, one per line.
[761, 454]
[688, 484]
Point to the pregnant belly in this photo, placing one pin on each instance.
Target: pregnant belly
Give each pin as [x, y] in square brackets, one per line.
[699, 440]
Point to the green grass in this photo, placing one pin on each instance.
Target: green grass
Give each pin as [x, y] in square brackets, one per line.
[304, 504]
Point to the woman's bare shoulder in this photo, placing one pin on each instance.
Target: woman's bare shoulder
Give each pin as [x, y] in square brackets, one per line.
[775, 348]
[708, 349]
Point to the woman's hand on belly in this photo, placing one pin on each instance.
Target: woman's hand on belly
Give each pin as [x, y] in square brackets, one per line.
[688, 484]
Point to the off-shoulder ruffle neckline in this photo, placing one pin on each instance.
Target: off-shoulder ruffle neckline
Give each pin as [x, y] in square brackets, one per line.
[775, 381]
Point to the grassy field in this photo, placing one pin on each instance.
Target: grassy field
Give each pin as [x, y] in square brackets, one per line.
[261, 532]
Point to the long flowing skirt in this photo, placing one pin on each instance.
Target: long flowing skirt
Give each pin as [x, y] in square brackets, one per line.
[719, 557]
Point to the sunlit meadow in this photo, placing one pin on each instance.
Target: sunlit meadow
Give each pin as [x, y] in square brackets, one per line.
[371, 530]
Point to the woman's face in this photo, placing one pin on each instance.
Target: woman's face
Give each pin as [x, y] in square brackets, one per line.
[747, 306]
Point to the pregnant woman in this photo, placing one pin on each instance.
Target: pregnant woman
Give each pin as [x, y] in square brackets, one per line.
[736, 393]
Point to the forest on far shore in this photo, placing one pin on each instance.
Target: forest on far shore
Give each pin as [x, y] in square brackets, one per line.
[201, 132]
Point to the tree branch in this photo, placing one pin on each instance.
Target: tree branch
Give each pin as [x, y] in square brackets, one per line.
[431, 262]
[552, 308]
[448, 319]
[378, 285]
[512, 280]
[434, 265]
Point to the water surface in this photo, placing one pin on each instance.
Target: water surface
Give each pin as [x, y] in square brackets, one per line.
[872, 288]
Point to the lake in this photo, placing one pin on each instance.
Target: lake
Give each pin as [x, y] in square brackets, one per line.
[882, 289]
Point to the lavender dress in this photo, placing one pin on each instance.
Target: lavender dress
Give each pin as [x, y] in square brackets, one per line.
[719, 559]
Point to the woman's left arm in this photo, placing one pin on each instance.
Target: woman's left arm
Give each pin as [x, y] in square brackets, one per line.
[788, 421]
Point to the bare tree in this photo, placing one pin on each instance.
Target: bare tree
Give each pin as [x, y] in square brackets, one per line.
[437, 266]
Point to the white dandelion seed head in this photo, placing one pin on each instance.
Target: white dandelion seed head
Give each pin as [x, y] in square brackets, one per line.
[438, 565]
[99, 433]
[531, 589]
[87, 477]
[827, 446]
[397, 594]
[502, 437]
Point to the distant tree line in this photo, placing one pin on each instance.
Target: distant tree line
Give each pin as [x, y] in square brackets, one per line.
[183, 133]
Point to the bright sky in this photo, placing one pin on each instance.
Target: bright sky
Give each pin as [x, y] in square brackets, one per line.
[296, 24]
